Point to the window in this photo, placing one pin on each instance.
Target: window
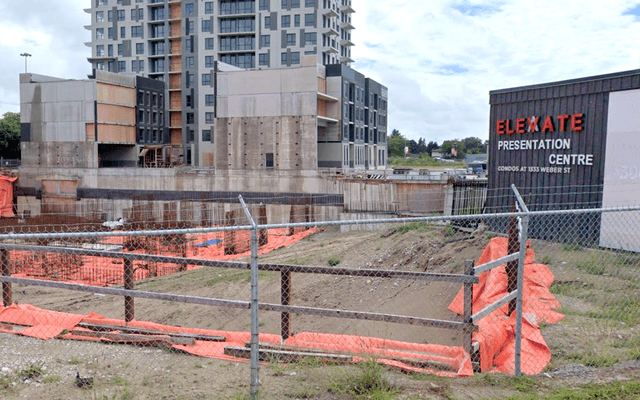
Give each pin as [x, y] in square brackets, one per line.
[209, 100]
[190, 80]
[208, 44]
[291, 39]
[267, 22]
[103, 2]
[136, 31]
[208, 118]
[309, 3]
[209, 62]
[110, 66]
[310, 38]
[110, 33]
[206, 135]
[141, 65]
[189, 62]
[134, 14]
[296, 20]
[264, 5]
[283, 4]
[139, 48]
[237, 43]
[99, 16]
[190, 118]
[206, 79]
[190, 27]
[110, 50]
[120, 50]
[188, 156]
[295, 57]
[123, 32]
[188, 9]
[208, 7]
[110, 16]
[286, 21]
[268, 162]
[100, 50]
[283, 58]
[309, 20]
[263, 59]
[100, 33]
[295, 3]
[134, 66]
[157, 30]
[237, 25]
[206, 25]
[140, 14]
[157, 13]
[121, 15]
[265, 41]
[122, 66]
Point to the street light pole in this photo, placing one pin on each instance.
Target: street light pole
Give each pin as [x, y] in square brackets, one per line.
[25, 55]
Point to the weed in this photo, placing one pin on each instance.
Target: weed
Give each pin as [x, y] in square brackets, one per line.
[546, 260]
[120, 381]
[368, 382]
[32, 371]
[412, 226]
[127, 394]
[52, 379]
[75, 361]
[591, 359]
[449, 231]
[572, 247]
[523, 384]
[333, 261]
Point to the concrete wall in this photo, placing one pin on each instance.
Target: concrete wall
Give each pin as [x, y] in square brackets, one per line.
[56, 159]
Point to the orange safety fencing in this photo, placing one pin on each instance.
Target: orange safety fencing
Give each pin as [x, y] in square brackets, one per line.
[6, 196]
[38, 323]
[100, 271]
[496, 333]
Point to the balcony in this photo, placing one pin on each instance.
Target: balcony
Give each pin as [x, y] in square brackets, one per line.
[330, 31]
[346, 25]
[346, 42]
[347, 9]
[346, 59]
[330, 13]
[330, 50]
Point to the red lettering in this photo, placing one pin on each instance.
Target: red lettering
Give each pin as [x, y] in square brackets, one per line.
[509, 131]
[533, 124]
[548, 125]
[500, 127]
[520, 125]
[562, 122]
[576, 122]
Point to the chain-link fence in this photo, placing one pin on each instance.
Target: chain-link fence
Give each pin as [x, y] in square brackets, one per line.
[511, 292]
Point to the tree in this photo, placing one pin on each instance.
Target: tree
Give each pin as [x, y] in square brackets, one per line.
[431, 146]
[10, 135]
[396, 143]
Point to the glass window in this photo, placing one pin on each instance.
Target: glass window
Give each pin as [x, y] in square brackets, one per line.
[208, 44]
[296, 20]
[208, 7]
[110, 33]
[267, 22]
[139, 48]
[311, 38]
[291, 39]
[283, 4]
[141, 65]
[295, 57]
[120, 50]
[263, 59]
[309, 20]
[190, 27]
[103, 2]
[191, 80]
[264, 4]
[134, 66]
[189, 62]
[140, 14]
[100, 50]
[265, 40]
[110, 15]
[123, 32]
[285, 21]
[110, 50]
[190, 118]
[209, 100]
[309, 3]
[136, 31]
[122, 66]
[209, 62]
[295, 3]
[206, 25]
[121, 15]
[100, 33]
[99, 16]
[283, 58]
[206, 135]
[208, 118]
[188, 9]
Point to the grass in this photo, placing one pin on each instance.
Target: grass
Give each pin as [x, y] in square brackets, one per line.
[591, 359]
[366, 382]
[621, 390]
[423, 161]
[32, 371]
[333, 261]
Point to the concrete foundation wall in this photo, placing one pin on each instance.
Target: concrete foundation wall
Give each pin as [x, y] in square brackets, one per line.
[64, 159]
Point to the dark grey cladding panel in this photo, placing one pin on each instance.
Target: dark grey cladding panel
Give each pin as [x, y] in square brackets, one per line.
[25, 132]
[218, 197]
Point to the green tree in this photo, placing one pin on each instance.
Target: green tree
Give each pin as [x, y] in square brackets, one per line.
[431, 146]
[396, 143]
[10, 135]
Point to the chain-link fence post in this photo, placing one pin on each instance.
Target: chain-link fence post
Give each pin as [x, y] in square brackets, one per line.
[285, 299]
[523, 225]
[6, 271]
[468, 308]
[129, 312]
[255, 382]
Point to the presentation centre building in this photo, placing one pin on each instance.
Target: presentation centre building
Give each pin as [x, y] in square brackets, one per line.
[571, 144]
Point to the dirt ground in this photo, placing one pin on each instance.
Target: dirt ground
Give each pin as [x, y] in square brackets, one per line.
[127, 372]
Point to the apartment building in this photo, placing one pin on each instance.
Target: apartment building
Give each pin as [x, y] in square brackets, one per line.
[181, 42]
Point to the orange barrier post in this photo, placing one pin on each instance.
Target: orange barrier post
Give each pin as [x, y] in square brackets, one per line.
[6, 271]
[129, 311]
[468, 308]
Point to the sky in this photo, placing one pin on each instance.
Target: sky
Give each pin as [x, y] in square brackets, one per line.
[438, 58]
